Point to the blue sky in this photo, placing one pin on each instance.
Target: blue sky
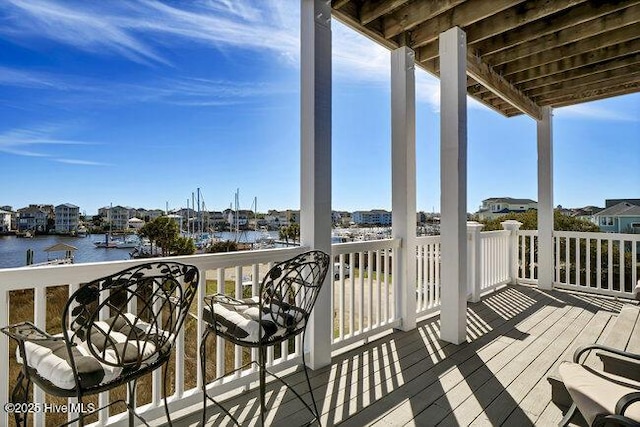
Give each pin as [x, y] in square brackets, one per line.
[139, 103]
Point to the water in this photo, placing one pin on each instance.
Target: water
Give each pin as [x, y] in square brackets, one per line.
[13, 250]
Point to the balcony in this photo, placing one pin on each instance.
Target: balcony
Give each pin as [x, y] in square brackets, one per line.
[377, 372]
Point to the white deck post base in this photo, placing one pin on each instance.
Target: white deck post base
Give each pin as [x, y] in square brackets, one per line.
[403, 179]
[453, 184]
[315, 170]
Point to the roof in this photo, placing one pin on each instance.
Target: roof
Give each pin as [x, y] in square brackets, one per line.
[621, 209]
[68, 205]
[59, 247]
[522, 55]
[510, 200]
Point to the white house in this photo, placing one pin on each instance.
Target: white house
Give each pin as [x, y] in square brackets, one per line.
[5, 221]
[67, 218]
[499, 206]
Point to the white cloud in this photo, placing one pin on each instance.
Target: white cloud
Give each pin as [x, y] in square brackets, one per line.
[25, 142]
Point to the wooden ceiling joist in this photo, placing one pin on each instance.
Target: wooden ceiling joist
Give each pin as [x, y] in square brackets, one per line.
[503, 21]
[485, 75]
[613, 21]
[465, 14]
[522, 54]
[373, 9]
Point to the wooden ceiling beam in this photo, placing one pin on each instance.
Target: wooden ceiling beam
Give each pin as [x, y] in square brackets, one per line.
[338, 4]
[576, 73]
[586, 90]
[503, 21]
[465, 14]
[564, 19]
[584, 59]
[595, 94]
[374, 9]
[413, 14]
[615, 20]
[573, 50]
[485, 75]
[603, 77]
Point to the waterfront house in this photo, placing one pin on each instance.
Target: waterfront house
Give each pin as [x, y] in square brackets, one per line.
[5, 221]
[374, 217]
[67, 218]
[39, 218]
[377, 355]
[623, 217]
[498, 206]
[117, 216]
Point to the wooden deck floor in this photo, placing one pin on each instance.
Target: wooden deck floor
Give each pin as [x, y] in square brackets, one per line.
[516, 337]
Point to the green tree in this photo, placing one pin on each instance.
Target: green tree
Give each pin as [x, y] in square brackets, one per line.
[291, 231]
[223, 246]
[164, 232]
[529, 221]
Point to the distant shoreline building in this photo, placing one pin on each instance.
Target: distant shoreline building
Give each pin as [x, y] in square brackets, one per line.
[498, 206]
[377, 217]
[67, 218]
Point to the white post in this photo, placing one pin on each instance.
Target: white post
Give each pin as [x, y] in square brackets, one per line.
[403, 183]
[315, 166]
[474, 256]
[453, 184]
[545, 200]
[512, 226]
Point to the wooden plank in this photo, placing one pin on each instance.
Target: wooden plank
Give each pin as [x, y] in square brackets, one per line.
[503, 21]
[475, 367]
[589, 59]
[576, 50]
[565, 19]
[465, 14]
[494, 396]
[593, 95]
[572, 34]
[413, 14]
[585, 87]
[500, 86]
[374, 9]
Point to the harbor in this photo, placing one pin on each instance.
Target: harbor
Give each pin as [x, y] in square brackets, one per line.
[13, 250]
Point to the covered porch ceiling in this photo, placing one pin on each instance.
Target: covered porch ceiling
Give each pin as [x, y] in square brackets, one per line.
[522, 55]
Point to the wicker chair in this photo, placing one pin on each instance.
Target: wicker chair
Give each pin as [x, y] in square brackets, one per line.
[114, 330]
[280, 312]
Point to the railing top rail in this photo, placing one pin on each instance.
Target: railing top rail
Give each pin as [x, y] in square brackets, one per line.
[426, 240]
[37, 277]
[528, 232]
[367, 245]
[598, 235]
[493, 233]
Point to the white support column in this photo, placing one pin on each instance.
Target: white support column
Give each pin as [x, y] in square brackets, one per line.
[403, 183]
[512, 226]
[545, 200]
[474, 255]
[453, 184]
[315, 166]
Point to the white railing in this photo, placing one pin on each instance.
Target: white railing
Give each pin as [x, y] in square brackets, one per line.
[363, 297]
[428, 275]
[38, 293]
[527, 256]
[494, 259]
[363, 293]
[600, 263]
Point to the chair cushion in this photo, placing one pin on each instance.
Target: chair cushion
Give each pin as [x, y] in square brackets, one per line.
[241, 319]
[50, 358]
[596, 392]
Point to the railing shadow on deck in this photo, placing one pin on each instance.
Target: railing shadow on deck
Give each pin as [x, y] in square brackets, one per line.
[407, 376]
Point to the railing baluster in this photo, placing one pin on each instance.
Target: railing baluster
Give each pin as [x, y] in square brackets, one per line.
[361, 288]
[587, 260]
[610, 263]
[578, 262]
[220, 342]
[352, 299]
[621, 268]
[341, 297]
[599, 263]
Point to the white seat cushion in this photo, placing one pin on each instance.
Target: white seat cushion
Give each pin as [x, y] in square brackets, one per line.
[596, 392]
[120, 343]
